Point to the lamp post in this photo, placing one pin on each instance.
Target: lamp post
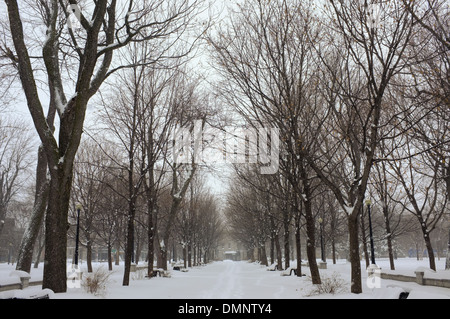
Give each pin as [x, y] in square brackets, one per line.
[78, 207]
[447, 261]
[372, 250]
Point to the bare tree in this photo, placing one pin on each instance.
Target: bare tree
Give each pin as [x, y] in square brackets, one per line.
[89, 49]
[109, 220]
[14, 161]
[432, 15]
[159, 92]
[88, 191]
[370, 55]
[419, 178]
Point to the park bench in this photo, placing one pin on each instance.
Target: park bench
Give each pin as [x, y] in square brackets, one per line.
[289, 271]
[161, 273]
[272, 267]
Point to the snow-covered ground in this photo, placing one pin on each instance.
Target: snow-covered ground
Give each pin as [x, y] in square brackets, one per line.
[244, 280]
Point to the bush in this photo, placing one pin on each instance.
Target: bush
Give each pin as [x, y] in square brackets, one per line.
[96, 282]
[330, 285]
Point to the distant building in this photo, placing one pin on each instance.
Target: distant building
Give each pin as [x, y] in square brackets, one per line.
[229, 249]
[232, 255]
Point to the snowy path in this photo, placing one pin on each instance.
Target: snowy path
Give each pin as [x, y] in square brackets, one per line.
[218, 280]
[240, 280]
[227, 282]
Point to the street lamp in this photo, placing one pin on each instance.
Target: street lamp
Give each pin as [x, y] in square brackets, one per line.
[372, 249]
[78, 207]
[321, 240]
[447, 261]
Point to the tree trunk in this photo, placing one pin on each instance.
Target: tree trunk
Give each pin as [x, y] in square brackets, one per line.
[262, 254]
[56, 226]
[25, 258]
[117, 256]
[2, 215]
[89, 256]
[287, 257]
[38, 255]
[298, 247]
[364, 238]
[189, 257]
[275, 241]
[163, 249]
[110, 267]
[150, 247]
[137, 254]
[151, 205]
[311, 243]
[430, 251]
[195, 256]
[356, 284]
[333, 250]
[389, 236]
[279, 254]
[272, 248]
[129, 246]
[310, 228]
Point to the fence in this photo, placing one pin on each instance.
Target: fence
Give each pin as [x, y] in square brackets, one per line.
[419, 279]
[24, 283]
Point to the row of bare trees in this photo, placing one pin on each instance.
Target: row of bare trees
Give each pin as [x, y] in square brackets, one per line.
[101, 187]
[65, 51]
[357, 90]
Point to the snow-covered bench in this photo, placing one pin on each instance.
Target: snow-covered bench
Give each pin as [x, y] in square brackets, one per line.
[161, 272]
[272, 267]
[27, 294]
[288, 271]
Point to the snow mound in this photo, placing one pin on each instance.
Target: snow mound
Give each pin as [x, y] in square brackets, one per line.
[27, 294]
[387, 293]
[424, 269]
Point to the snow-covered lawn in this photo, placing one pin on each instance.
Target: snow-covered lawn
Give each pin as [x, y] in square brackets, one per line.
[244, 280]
